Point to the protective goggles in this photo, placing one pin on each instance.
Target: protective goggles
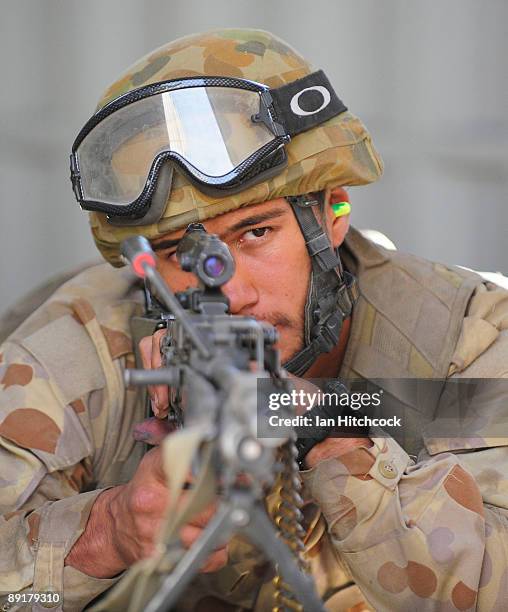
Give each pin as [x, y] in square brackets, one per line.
[224, 134]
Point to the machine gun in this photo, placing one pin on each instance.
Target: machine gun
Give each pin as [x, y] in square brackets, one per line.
[212, 362]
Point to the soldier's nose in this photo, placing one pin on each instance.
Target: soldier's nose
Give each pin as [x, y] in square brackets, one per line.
[241, 291]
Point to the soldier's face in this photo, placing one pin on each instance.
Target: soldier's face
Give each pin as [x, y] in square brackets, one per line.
[272, 267]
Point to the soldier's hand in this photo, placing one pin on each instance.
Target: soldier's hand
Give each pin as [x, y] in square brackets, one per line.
[137, 510]
[151, 356]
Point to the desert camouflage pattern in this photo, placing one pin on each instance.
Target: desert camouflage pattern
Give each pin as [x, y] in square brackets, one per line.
[338, 152]
[386, 529]
[65, 428]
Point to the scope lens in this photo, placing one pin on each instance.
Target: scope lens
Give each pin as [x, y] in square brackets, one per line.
[214, 266]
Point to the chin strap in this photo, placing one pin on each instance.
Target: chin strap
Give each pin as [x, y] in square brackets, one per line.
[332, 290]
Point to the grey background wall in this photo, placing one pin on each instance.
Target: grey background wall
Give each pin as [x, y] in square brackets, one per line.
[428, 78]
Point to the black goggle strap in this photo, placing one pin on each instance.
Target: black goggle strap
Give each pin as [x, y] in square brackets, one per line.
[332, 292]
[305, 103]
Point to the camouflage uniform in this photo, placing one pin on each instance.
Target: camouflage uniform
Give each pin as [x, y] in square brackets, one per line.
[425, 534]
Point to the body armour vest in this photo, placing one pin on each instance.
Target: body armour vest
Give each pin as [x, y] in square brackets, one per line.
[405, 328]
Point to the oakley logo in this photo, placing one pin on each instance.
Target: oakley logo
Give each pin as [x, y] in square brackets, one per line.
[295, 101]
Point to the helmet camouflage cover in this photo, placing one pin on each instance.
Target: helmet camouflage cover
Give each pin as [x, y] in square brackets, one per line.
[337, 152]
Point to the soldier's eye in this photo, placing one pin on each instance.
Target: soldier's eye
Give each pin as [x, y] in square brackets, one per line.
[258, 232]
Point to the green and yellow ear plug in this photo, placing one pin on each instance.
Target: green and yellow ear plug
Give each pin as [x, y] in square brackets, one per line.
[341, 208]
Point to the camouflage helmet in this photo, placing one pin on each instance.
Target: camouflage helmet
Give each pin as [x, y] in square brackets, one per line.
[337, 152]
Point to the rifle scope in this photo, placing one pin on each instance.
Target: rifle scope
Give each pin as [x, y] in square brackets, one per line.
[206, 256]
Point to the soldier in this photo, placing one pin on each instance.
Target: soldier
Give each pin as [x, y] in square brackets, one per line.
[80, 503]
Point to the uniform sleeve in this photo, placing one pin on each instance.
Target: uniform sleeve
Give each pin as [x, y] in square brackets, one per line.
[415, 536]
[48, 446]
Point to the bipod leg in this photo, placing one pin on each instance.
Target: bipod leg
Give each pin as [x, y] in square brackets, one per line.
[263, 534]
[219, 528]
[241, 513]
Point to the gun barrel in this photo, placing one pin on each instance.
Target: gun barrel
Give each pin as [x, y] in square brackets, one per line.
[161, 376]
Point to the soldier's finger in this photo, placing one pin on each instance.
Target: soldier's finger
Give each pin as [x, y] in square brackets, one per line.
[152, 430]
[156, 357]
[159, 394]
[216, 561]
[149, 348]
[189, 535]
[202, 519]
[145, 349]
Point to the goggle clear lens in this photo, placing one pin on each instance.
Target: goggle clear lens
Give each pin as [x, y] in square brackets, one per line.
[211, 128]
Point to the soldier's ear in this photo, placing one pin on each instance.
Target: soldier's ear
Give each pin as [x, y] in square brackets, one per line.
[337, 214]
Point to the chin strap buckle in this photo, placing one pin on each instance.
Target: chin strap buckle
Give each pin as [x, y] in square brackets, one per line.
[328, 336]
[348, 293]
